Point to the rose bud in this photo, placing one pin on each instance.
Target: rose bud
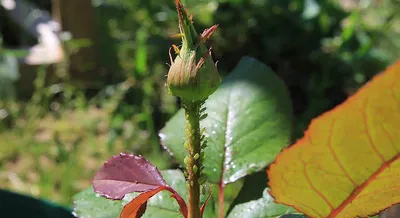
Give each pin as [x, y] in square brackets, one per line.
[193, 76]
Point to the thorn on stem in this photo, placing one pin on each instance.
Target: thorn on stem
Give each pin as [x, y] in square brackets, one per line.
[178, 35]
[202, 60]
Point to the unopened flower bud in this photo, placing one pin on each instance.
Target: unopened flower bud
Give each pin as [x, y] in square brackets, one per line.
[193, 75]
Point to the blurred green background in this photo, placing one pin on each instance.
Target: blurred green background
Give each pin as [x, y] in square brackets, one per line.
[59, 123]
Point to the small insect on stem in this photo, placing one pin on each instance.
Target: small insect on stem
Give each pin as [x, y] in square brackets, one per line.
[176, 49]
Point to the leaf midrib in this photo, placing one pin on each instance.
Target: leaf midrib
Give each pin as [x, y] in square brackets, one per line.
[223, 168]
[228, 112]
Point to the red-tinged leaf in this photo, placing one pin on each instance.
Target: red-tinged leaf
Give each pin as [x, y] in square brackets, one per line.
[203, 207]
[136, 207]
[348, 162]
[126, 173]
[206, 34]
[181, 202]
[141, 209]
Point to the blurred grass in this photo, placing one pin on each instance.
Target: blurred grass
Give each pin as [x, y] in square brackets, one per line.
[58, 158]
[60, 155]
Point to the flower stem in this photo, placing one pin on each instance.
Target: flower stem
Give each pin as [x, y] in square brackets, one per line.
[193, 160]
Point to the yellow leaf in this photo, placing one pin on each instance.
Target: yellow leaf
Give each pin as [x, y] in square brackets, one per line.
[348, 162]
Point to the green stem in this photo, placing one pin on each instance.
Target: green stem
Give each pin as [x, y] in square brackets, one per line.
[193, 160]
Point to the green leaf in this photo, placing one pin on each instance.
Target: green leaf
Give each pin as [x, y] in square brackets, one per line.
[263, 207]
[249, 122]
[254, 200]
[173, 136]
[252, 189]
[90, 204]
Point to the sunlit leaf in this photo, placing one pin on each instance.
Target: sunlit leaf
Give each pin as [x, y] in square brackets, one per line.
[347, 164]
[250, 114]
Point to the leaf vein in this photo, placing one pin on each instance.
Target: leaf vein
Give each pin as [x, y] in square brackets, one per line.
[335, 156]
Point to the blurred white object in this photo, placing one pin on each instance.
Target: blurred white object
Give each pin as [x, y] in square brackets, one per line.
[49, 50]
[40, 24]
[8, 4]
